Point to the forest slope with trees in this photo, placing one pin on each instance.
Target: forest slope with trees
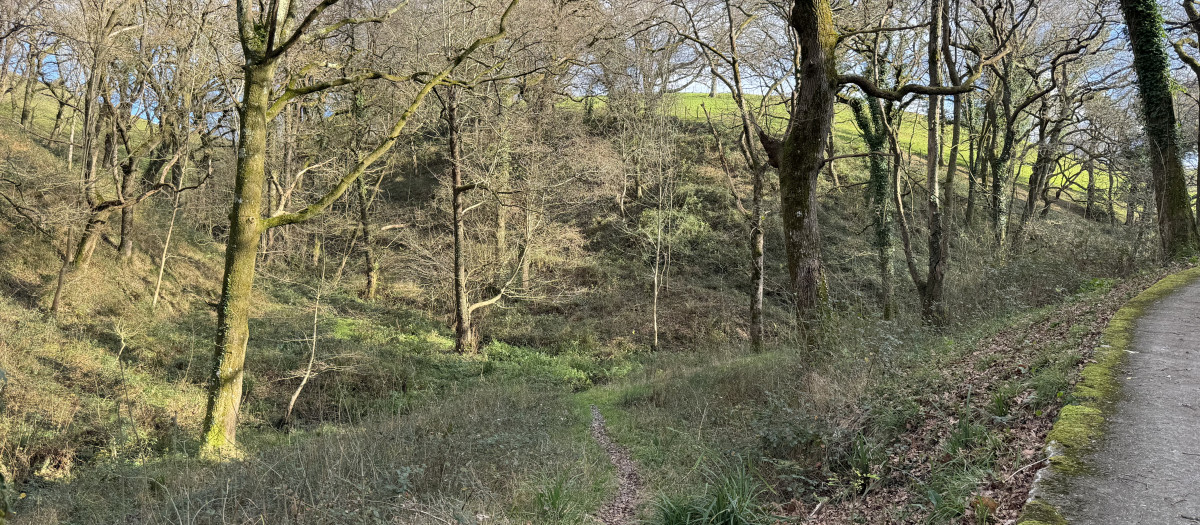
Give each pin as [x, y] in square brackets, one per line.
[567, 261]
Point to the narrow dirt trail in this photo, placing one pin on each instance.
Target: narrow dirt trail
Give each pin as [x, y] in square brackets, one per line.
[1146, 469]
[622, 510]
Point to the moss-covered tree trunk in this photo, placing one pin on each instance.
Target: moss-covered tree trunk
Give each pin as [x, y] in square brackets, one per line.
[1176, 224]
[241, 253]
[999, 160]
[801, 157]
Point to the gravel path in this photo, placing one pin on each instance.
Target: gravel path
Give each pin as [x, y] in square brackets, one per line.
[622, 510]
[1147, 469]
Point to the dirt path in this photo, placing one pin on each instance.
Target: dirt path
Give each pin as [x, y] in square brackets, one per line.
[622, 510]
[1147, 469]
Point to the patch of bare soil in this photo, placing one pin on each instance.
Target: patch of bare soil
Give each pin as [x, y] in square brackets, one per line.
[622, 510]
[975, 378]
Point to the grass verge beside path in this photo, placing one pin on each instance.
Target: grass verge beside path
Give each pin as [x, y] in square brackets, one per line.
[1081, 424]
[883, 425]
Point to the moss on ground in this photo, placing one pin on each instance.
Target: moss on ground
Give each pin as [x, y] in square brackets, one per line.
[1080, 425]
[1038, 512]
[1075, 430]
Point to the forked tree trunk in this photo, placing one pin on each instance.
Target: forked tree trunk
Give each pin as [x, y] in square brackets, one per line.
[92, 232]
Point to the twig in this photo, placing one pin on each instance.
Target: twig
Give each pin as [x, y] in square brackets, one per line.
[312, 355]
[1018, 471]
[816, 509]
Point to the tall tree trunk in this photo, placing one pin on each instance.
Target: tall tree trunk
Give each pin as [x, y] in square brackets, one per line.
[1001, 166]
[948, 196]
[1112, 212]
[985, 144]
[870, 118]
[831, 152]
[464, 335]
[1176, 224]
[1039, 176]
[527, 243]
[241, 254]
[31, 79]
[364, 224]
[800, 159]
[948, 57]
[1131, 203]
[933, 307]
[758, 170]
[500, 250]
[1088, 211]
[757, 262]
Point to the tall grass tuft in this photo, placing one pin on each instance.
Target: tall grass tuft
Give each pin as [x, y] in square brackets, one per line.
[732, 497]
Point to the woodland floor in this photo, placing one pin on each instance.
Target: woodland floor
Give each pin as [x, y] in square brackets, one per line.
[1018, 431]
[1147, 467]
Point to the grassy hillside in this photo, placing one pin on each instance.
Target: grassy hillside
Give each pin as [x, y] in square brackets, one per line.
[102, 405]
[912, 134]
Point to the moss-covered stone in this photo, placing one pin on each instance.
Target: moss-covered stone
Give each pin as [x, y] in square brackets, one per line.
[1075, 430]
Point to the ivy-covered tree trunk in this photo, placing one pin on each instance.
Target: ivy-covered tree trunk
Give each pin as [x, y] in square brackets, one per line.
[1176, 224]
[999, 160]
[800, 158]
[869, 116]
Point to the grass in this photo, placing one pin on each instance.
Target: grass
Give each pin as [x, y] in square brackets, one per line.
[396, 427]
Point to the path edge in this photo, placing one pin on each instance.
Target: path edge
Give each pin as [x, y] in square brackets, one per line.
[1081, 424]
